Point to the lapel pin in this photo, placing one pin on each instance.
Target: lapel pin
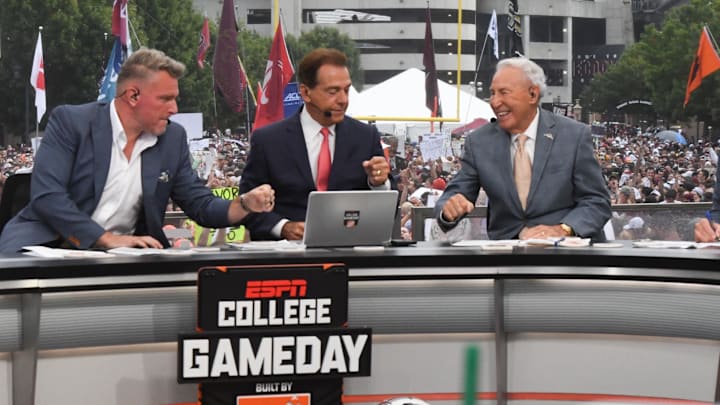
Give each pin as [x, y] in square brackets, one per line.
[164, 177]
[549, 136]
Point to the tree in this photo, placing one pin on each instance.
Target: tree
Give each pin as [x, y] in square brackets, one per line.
[657, 68]
[74, 48]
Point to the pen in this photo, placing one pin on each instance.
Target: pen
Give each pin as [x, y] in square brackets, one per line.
[708, 215]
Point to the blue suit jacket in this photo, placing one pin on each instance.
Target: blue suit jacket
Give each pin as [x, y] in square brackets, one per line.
[70, 171]
[566, 187]
[278, 156]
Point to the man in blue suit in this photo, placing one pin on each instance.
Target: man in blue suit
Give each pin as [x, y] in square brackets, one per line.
[537, 168]
[286, 154]
[85, 191]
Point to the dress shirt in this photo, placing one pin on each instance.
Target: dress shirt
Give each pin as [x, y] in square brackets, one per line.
[121, 199]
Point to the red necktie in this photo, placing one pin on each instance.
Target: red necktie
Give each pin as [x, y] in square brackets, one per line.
[323, 166]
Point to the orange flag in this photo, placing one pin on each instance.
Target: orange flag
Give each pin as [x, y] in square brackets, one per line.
[706, 62]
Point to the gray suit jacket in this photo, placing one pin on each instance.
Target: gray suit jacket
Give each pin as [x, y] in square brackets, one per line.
[69, 175]
[567, 184]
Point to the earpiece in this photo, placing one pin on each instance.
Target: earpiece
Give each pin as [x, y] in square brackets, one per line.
[532, 94]
[135, 95]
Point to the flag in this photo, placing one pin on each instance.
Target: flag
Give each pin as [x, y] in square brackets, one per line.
[493, 33]
[432, 94]
[706, 62]
[278, 73]
[229, 78]
[204, 43]
[514, 43]
[107, 87]
[37, 79]
[120, 23]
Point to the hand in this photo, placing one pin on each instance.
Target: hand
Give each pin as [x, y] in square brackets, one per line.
[259, 199]
[377, 169]
[293, 230]
[542, 232]
[456, 207]
[706, 232]
[109, 240]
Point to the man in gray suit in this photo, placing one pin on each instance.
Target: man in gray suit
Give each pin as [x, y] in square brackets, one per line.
[537, 168]
[104, 172]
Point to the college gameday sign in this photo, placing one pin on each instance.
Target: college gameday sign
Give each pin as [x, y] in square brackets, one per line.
[273, 334]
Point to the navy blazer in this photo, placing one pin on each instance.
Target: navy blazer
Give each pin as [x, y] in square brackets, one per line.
[69, 175]
[278, 156]
[566, 186]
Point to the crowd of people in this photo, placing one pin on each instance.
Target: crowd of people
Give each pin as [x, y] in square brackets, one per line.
[637, 168]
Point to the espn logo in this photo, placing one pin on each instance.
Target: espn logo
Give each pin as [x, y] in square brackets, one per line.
[275, 288]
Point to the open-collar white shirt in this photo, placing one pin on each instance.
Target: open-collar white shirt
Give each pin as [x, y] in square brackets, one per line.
[121, 199]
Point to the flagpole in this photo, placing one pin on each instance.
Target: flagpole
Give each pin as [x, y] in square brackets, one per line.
[477, 70]
[712, 38]
[37, 120]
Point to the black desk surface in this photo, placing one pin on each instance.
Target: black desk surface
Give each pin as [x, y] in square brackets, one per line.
[426, 260]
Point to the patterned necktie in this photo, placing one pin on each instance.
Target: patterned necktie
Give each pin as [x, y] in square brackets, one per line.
[323, 165]
[522, 170]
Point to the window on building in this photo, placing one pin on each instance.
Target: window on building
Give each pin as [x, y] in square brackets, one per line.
[555, 71]
[259, 16]
[589, 31]
[547, 29]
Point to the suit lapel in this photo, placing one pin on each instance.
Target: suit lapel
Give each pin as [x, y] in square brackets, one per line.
[297, 149]
[102, 138]
[543, 145]
[343, 149]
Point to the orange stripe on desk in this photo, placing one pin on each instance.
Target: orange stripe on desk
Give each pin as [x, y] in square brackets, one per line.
[526, 396]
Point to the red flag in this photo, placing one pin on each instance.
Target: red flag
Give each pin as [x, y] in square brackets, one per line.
[432, 94]
[204, 44]
[120, 21]
[706, 62]
[229, 78]
[278, 73]
[37, 79]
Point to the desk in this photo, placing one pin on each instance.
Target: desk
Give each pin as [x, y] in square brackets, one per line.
[613, 321]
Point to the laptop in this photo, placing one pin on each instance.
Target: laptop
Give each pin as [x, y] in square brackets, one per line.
[350, 218]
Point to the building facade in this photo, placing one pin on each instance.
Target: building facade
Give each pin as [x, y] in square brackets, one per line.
[572, 39]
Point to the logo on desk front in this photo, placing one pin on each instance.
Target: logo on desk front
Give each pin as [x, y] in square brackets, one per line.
[275, 288]
[288, 399]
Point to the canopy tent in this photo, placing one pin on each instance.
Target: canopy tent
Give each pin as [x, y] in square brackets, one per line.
[403, 95]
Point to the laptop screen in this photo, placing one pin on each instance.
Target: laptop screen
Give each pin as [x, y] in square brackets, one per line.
[350, 218]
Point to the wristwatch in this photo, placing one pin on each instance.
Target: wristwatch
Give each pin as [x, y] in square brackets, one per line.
[567, 229]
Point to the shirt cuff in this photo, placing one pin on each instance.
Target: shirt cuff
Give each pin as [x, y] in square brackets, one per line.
[276, 231]
[384, 186]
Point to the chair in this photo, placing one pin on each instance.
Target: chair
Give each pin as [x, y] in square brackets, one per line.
[15, 196]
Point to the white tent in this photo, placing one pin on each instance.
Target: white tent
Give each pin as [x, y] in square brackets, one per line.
[403, 95]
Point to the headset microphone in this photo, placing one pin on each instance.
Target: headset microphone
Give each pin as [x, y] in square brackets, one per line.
[327, 114]
[492, 120]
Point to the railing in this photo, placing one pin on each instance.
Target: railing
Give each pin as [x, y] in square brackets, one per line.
[656, 221]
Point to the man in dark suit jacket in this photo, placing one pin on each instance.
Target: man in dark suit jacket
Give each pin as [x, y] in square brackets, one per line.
[85, 190]
[285, 154]
[567, 194]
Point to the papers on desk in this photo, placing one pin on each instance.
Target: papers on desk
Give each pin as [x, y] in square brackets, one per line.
[509, 244]
[265, 245]
[43, 251]
[132, 251]
[673, 244]
[501, 245]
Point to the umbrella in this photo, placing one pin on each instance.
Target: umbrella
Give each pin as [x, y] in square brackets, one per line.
[671, 136]
[470, 126]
